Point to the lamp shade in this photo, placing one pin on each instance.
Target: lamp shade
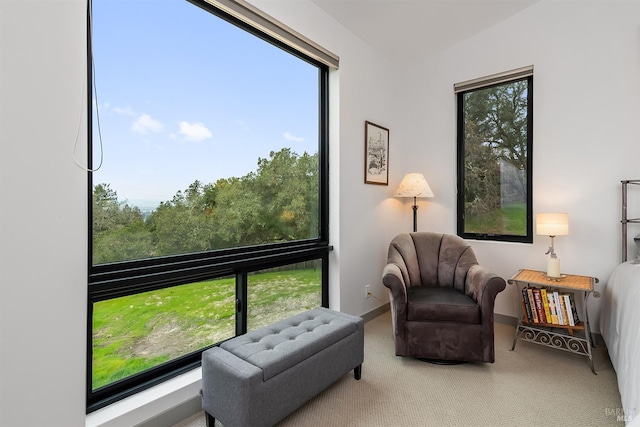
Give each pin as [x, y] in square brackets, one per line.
[552, 224]
[413, 185]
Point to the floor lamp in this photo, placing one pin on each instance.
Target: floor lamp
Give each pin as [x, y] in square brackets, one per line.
[414, 185]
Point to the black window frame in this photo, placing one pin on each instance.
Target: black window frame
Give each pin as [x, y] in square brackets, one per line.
[113, 280]
[528, 238]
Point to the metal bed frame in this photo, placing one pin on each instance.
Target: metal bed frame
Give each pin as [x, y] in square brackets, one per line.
[625, 220]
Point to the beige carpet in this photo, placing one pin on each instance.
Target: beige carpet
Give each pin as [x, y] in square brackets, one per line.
[531, 386]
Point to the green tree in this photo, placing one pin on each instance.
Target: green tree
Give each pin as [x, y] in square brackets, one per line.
[183, 224]
[105, 208]
[239, 213]
[119, 232]
[288, 185]
[499, 115]
[482, 176]
[278, 202]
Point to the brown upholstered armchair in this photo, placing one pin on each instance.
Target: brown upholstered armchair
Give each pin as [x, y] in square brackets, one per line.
[441, 299]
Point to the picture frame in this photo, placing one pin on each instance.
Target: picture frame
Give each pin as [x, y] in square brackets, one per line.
[376, 154]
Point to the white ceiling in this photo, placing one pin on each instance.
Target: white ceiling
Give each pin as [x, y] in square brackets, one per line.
[398, 27]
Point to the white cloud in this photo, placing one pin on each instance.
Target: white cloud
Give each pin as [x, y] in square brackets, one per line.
[145, 124]
[289, 137]
[194, 131]
[127, 111]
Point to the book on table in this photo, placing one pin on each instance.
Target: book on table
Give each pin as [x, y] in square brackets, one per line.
[532, 303]
[553, 307]
[542, 318]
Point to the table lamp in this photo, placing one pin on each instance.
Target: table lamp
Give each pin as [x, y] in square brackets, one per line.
[552, 225]
[414, 185]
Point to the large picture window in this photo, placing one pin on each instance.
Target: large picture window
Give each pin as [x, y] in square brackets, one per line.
[209, 187]
[495, 117]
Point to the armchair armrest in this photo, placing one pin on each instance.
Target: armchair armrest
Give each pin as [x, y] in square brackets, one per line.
[483, 285]
[392, 279]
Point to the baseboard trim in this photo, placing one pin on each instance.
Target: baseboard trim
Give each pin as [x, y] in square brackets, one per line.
[176, 414]
[372, 314]
[507, 320]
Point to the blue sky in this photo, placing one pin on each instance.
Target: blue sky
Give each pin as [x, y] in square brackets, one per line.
[184, 95]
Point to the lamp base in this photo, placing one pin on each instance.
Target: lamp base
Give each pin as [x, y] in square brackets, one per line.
[553, 268]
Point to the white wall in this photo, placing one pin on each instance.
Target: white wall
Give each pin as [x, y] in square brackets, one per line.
[586, 137]
[585, 142]
[43, 222]
[43, 259]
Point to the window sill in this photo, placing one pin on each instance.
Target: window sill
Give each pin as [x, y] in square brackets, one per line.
[152, 403]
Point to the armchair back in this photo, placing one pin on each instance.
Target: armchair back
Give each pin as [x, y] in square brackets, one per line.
[432, 259]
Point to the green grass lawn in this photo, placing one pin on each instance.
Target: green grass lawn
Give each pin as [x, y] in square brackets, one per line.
[137, 332]
[510, 220]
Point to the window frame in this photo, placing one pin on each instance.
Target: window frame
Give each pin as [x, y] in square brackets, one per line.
[113, 280]
[461, 89]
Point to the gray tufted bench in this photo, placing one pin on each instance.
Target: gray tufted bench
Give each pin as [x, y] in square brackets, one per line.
[258, 378]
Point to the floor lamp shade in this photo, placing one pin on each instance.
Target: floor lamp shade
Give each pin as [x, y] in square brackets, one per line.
[414, 185]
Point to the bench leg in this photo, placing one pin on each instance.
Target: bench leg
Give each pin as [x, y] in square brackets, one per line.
[211, 422]
[357, 372]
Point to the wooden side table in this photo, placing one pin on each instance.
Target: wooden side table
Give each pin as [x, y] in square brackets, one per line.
[575, 339]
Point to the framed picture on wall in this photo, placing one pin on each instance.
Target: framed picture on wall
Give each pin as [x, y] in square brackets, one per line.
[376, 154]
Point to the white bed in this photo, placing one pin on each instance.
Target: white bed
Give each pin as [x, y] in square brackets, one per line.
[620, 318]
[620, 328]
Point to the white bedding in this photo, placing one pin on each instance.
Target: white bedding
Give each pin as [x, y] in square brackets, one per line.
[620, 328]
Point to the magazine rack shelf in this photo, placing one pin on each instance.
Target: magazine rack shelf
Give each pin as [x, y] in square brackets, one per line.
[572, 338]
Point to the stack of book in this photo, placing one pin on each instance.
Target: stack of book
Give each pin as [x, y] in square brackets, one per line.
[549, 306]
